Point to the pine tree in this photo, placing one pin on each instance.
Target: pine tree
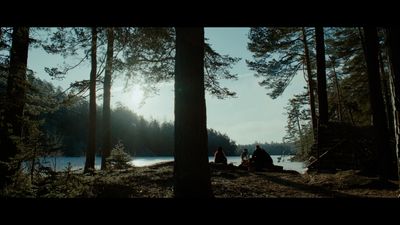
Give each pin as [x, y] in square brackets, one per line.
[15, 103]
[377, 104]
[348, 74]
[279, 54]
[191, 170]
[153, 54]
[394, 58]
[107, 99]
[91, 149]
[321, 77]
[298, 124]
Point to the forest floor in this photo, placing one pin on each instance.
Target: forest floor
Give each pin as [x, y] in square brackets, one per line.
[156, 181]
[232, 182]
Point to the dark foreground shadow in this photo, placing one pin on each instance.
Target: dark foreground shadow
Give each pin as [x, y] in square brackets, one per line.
[307, 188]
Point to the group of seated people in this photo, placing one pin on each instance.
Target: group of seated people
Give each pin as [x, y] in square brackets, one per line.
[260, 159]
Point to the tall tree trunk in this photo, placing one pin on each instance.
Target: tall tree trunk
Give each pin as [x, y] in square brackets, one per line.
[15, 102]
[376, 99]
[91, 150]
[322, 94]
[310, 84]
[386, 93]
[191, 169]
[107, 98]
[321, 76]
[393, 38]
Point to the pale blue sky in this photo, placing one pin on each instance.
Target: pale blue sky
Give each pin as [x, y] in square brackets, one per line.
[252, 116]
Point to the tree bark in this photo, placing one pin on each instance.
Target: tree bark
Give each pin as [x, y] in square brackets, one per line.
[376, 99]
[321, 76]
[91, 150]
[322, 94]
[386, 93]
[16, 97]
[393, 38]
[16, 82]
[191, 169]
[310, 84]
[107, 99]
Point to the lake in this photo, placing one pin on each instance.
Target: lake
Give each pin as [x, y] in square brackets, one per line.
[60, 163]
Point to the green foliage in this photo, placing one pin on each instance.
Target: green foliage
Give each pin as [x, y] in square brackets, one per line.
[145, 55]
[140, 137]
[346, 61]
[21, 186]
[346, 56]
[218, 67]
[217, 139]
[278, 54]
[65, 185]
[152, 52]
[119, 159]
[5, 44]
[298, 128]
[35, 141]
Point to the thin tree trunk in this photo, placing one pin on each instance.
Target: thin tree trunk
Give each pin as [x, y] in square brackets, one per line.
[33, 164]
[310, 84]
[301, 134]
[15, 101]
[393, 38]
[376, 99]
[107, 99]
[351, 117]
[338, 95]
[91, 150]
[191, 169]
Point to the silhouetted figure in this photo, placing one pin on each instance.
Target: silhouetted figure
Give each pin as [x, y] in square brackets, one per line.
[245, 164]
[261, 159]
[245, 155]
[219, 156]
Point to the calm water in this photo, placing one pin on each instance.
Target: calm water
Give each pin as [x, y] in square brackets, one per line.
[78, 162]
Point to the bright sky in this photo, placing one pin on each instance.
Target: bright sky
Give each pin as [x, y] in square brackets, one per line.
[252, 116]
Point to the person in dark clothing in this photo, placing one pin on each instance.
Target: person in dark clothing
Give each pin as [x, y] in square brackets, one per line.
[261, 159]
[245, 164]
[219, 156]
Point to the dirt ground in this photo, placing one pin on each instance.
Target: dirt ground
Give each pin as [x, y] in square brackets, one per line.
[231, 182]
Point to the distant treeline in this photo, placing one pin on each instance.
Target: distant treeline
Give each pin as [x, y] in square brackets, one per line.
[272, 148]
[66, 125]
[139, 136]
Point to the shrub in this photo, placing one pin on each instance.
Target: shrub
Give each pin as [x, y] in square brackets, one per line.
[119, 159]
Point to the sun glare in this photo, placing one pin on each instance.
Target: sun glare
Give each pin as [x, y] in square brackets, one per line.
[131, 97]
[136, 97]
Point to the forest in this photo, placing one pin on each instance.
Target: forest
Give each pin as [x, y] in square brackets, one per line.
[346, 119]
[139, 136]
